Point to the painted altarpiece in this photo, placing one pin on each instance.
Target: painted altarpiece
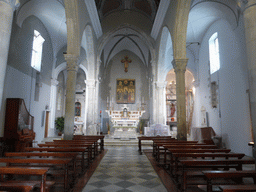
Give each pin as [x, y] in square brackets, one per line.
[125, 91]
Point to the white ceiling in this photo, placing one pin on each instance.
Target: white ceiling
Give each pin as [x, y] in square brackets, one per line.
[52, 14]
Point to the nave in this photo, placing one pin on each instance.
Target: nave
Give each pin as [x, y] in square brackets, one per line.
[123, 169]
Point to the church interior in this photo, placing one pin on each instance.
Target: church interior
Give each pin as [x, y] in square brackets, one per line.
[125, 69]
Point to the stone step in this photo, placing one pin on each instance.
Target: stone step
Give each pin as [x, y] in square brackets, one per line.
[128, 142]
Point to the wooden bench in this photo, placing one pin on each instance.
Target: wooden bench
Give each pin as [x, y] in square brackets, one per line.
[85, 137]
[180, 146]
[79, 142]
[147, 138]
[175, 157]
[235, 188]
[82, 150]
[46, 154]
[15, 185]
[238, 175]
[189, 165]
[61, 144]
[39, 162]
[159, 143]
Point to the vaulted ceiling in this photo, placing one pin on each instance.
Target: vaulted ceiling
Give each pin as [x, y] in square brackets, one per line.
[147, 7]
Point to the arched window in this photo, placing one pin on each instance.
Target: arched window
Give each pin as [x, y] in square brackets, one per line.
[37, 50]
[214, 53]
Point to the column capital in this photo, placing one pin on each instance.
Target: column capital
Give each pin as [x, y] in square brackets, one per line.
[14, 3]
[71, 62]
[153, 62]
[54, 82]
[179, 65]
[91, 83]
[161, 84]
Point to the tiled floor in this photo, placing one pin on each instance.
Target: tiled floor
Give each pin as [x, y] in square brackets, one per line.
[123, 170]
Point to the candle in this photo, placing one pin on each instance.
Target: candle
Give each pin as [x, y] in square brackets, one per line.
[142, 99]
[107, 100]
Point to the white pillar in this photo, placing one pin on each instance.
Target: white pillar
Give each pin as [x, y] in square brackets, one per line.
[161, 102]
[250, 35]
[153, 114]
[53, 101]
[90, 97]
[7, 8]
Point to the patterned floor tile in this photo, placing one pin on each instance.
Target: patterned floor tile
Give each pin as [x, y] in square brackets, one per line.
[123, 170]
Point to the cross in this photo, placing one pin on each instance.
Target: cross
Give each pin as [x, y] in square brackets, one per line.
[126, 62]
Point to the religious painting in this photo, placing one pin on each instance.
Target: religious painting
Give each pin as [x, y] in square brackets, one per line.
[125, 91]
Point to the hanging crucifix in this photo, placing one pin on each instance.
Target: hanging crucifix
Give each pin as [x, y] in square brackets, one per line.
[126, 62]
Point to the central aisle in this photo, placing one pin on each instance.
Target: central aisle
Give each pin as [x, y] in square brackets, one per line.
[123, 170]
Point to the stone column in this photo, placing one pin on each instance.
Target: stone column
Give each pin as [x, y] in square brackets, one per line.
[161, 102]
[72, 69]
[90, 96]
[53, 101]
[7, 8]
[250, 35]
[179, 66]
[153, 104]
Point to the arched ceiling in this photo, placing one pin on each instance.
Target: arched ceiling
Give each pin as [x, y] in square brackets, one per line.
[126, 39]
[147, 7]
[203, 13]
[52, 14]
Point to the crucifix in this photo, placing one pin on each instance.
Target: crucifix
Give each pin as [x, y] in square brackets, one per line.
[126, 62]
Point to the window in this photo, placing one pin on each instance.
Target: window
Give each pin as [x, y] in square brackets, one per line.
[214, 53]
[37, 49]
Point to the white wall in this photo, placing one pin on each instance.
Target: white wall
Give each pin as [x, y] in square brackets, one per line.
[231, 119]
[20, 85]
[114, 71]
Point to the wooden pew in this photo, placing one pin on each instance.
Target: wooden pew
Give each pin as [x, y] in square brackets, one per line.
[158, 144]
[175, 157]
[79, 142]
[211, 175]
[16, 185]
[82, 150]
[47, 154]
[146, 138]
[85, 137]
[236, 188]
[39, 162]
[65, 145]
[197, 164]
[180, 146]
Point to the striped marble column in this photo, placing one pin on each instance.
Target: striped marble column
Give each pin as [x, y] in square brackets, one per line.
[72, 69]
[179, 66]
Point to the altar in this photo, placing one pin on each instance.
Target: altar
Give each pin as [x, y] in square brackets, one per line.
[125, 122]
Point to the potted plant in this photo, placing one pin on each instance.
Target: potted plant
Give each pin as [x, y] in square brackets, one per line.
[141, 125]
[59, 123]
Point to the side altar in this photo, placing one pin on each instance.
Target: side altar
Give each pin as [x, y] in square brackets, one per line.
[125, 122]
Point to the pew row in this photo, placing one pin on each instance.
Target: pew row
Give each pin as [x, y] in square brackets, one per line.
[234, 175]
[21, 185]
[63, 163]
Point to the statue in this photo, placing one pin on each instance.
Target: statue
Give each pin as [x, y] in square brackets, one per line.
[126, 62]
